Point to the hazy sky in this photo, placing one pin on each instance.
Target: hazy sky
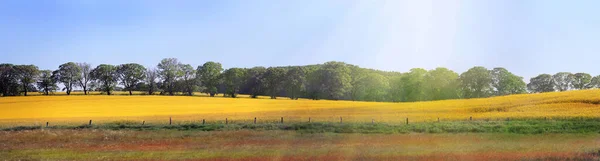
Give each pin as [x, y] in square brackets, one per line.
[525, 36]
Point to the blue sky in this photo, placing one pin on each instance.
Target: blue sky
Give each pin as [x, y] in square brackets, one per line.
[528, 37]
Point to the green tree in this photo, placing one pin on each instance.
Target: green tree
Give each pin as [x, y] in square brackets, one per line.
[505, 82]
[84, 78]
[295, 80]
[476, 83]
[441, 83]
[209, 75]
[46, 82]
[541, 83]
[9, 84]
[581, 80]
[594, 83]
[274, 78]
[107, 77]
[169, 69]
[255, 81]
[233, 80]
[130, 75]
[151, 76]
[27, 75]
[190, 83]
[68, 74]
[357, 75]
[562, 81]
[372, 87]
[335, 80]
[412, 85]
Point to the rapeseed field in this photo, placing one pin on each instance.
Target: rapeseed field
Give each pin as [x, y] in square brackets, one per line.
[76, 109]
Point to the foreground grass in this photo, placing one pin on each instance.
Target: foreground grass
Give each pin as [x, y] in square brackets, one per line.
[169, 144]
[533, 126]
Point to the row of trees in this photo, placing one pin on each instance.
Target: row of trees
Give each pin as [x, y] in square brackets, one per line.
[331, 80]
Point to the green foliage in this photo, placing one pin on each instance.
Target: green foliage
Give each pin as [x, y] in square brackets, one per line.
[476, 83]
[563, 81]
[190, 83]
[541, 83]
[274, 79]
[68, 74]
[233, 80]
[295, 80]
[107, 77]
[85, 77]
[209, 75]
[46, 83]
[26, 74]
[333, 79]
[255, 81]
[505, 83]
[130, 75]
[169, 69]
[440, 84]
[581, 80]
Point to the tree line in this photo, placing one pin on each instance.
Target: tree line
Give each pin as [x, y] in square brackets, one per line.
[331, 80]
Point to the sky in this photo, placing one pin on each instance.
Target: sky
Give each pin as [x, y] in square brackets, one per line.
[528, 37]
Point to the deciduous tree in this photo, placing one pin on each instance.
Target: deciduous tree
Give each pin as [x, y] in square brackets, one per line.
[169, 69]
[130, 75]
[541, 83]
[233, 79]
[209, 75]
[68, 74]
[27, 75]
[476, 83]
[46, 82]
[107, 77]
[84, 78]
[562, 81]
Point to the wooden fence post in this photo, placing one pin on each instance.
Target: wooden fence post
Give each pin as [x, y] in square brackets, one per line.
[308, 119]
[438, 119]
[407, 120]
[341, 120]
[90, 123]
[254, 120]
[170, 121]
[226, 121]
[203, 121]
[282, 120]
[143, 122]
[47, 124]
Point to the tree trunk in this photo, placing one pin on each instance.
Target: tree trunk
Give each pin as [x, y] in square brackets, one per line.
[25, 88]
[212, 94]
[84, 90]
[130, 92]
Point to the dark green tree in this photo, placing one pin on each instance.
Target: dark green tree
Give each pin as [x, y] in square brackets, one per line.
[46, 82]
[541, 83]
[274, 79]
[106, 75]
[255, 81]
[233, 80]
[295, 80]
[209, 75]
[27, 75]
[130, 75]
[68, 74]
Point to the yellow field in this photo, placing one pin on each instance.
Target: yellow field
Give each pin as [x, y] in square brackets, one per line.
[36, 110]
